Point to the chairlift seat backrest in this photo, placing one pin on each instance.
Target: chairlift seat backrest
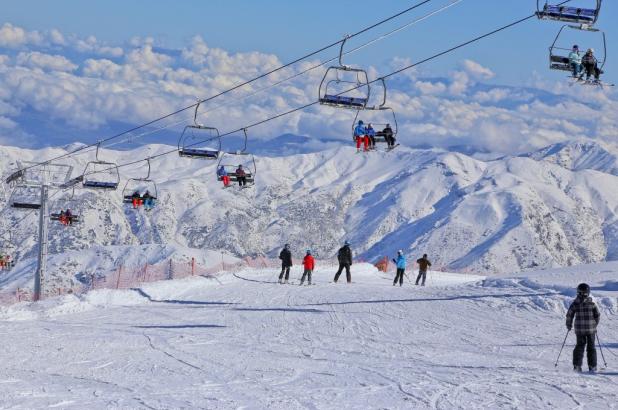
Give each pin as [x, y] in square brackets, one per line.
[198, 153]
[25, 205]
[569, 14]
[99, 184]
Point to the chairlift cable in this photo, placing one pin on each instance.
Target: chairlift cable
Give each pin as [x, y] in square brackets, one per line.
[466, 43]
[311, 54]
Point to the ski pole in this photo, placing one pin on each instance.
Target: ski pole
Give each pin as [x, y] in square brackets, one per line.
[563, 343]
[601, 349]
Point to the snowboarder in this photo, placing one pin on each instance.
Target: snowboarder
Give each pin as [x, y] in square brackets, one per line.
[148, 201]
[222, 173]
[286, 263]
[587, 317]
[401, 267]
[241, 176]
[575, 60]
[590, 64]
[423, 264]
[360, 136]
[345, 261]
[309, 265]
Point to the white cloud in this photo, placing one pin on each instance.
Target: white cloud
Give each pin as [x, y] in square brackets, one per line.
[476, 70]
[139, 82]
[16, 37]
[45, 61]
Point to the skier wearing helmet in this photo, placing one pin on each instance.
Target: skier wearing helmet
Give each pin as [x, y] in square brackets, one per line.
[344, 256]
[401, 267]
[309, 265]
[587, 316]
[590, 63]
[286, 263]
[360, 136]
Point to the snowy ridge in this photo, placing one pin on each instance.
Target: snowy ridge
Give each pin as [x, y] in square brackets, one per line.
[504, 215]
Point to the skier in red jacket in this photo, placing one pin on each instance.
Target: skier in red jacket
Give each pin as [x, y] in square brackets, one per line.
[309, 265]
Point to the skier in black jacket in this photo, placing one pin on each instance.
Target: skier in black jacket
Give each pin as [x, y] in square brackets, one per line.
[345, 261]
[587, 316]
[286, 263]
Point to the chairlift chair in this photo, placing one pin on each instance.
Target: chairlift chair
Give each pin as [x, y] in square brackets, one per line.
[68, 203]
[194, 137]
[230, 167]
[340, 75]
[559, 54]
[141, 186]
[381, 108]
[569, 14]
[25, 197]
[100, 174]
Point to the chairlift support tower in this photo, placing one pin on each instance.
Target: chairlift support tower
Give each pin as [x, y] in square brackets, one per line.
[44, 177]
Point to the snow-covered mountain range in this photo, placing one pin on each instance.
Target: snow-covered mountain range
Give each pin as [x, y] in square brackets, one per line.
[553, 207]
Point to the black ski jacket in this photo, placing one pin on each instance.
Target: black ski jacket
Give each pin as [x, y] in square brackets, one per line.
[286, 257]
[345, 255]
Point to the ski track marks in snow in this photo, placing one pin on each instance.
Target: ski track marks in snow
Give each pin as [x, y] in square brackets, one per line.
[247, 342]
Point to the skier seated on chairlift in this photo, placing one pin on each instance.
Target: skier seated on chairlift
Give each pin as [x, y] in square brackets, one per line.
[2, 261]
[222, 173]
[590, 64]
[68, 216]
[148, 200]
[575, 60]
[371, 135]
[360, 135]
[136, 199]
[63, 217]
[241, 176]
[389, 136]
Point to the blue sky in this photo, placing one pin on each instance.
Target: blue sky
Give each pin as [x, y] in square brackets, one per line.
[289, 28]
[81, 71]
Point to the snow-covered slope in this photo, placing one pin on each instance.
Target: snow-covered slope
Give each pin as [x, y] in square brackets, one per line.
[462, 342]
[505, 215]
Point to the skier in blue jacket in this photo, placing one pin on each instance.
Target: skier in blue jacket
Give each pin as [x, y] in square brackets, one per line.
[401, 267]
[371, 133]
[360, 136]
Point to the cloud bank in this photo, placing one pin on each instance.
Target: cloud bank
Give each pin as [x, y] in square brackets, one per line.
[81, 86]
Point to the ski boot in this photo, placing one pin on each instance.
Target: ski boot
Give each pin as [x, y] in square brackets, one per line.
[286, 282]
[577, 369]
[280, 281]
[308, 283]
[592, 369]
[300, 284]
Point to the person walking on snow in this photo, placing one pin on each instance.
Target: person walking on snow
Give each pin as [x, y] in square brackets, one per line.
[345, 261]
[587, 316]
[286, 263]
[401, 267]
[309, 265]
[423, 264]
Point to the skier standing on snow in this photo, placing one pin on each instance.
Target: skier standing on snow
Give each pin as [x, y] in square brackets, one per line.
[309, 265]
[423, 264]
[345, 261]
[587, 317]
[286, 263]
[401, 267]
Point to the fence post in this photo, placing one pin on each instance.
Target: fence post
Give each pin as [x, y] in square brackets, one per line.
[92, 281]
[170, 274]
[145, 272]
[192, 266]
[18, 295]
[118, 279]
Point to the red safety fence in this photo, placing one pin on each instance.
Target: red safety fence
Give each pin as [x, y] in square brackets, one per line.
[126, 277]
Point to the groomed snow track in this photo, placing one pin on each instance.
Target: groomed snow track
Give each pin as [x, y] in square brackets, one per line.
[247, 342]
